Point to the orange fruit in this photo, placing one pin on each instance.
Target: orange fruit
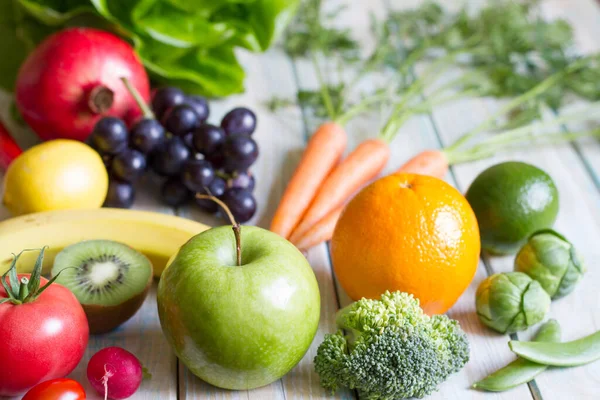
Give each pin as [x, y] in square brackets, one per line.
[407, 232]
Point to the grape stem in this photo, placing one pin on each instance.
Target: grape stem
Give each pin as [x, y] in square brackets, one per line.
[237, 229]
[138, 99]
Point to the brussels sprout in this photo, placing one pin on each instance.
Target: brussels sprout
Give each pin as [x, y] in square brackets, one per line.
[551, 260]
[511, 302]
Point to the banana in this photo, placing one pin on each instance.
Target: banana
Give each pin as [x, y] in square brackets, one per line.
[158, 236]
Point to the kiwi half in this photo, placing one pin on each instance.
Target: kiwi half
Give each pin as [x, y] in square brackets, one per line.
[110, 280]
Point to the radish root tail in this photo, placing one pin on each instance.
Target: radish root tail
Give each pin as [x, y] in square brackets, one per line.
[107, 374]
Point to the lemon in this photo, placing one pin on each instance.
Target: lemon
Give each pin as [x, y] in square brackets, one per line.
[55, 175]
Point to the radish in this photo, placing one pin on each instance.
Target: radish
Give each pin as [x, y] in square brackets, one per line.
[9, 149]
[73, 78]
[115, 373]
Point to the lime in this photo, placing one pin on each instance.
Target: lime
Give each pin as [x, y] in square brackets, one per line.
[511, 201]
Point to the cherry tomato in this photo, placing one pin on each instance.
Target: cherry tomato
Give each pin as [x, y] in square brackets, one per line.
[40, 340]
[56, 389]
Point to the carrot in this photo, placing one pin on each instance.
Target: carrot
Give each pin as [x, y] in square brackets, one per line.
[321, 231]
[428, 162]
[362, 165]
[322, 153]
[9, 149]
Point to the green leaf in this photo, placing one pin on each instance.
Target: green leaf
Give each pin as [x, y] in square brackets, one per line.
[36, 274]
[12, 274]
[213, 72]
[12, 46]
[119, 13]
[55, 12]
[156, 20]
[260, 22]
[7, 288]
[4, 300]
[39, 292]
[205, 7]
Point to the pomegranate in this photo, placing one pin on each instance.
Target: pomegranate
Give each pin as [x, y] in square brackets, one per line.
[73, 78]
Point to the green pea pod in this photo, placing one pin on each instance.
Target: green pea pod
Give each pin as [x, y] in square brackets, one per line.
[521, 370]
[568, 354]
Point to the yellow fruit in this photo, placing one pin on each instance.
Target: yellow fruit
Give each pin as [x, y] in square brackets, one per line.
[55, 175]
[158, 236]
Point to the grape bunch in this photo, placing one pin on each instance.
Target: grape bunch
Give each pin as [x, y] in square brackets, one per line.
[180, 145]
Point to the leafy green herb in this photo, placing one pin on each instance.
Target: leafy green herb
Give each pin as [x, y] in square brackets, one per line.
[503, 50]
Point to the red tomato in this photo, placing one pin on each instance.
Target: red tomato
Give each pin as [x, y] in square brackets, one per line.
[57, 389]
[41, 340]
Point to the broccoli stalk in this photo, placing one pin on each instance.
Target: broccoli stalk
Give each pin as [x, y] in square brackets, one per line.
[391, 349]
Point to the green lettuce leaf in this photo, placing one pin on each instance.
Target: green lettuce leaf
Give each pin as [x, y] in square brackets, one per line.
[187, 43]
[212, 72]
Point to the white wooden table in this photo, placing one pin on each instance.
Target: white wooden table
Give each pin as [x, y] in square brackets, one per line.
[575, 168]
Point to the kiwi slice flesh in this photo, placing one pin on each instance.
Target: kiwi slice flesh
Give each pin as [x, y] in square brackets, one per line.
[110, 280]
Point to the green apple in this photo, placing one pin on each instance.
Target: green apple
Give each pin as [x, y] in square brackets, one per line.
[239, 326]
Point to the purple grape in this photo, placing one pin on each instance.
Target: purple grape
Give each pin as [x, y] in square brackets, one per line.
[239, 120]
[216, 158]
[240, 152]
[181, 119]
[197, 174]
[207, 138]
[129, 165]
[120, 194]
[200, 105]
[241, 203]
[175, 193]
[216, 188]
[147, 135]
[165, 98]
[109, 136]
[242, 180]
[169, 158]
[188, 139]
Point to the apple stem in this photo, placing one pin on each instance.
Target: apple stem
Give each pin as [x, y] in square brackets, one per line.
[237, 228]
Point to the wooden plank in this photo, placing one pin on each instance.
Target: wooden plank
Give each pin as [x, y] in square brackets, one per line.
[583, 15]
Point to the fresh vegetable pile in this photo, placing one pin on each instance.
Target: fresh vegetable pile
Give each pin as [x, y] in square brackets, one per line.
[187, 44]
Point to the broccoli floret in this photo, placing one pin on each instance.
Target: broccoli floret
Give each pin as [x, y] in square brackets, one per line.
[392, 349]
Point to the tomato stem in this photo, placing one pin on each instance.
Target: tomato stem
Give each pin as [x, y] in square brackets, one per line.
[24, 290]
